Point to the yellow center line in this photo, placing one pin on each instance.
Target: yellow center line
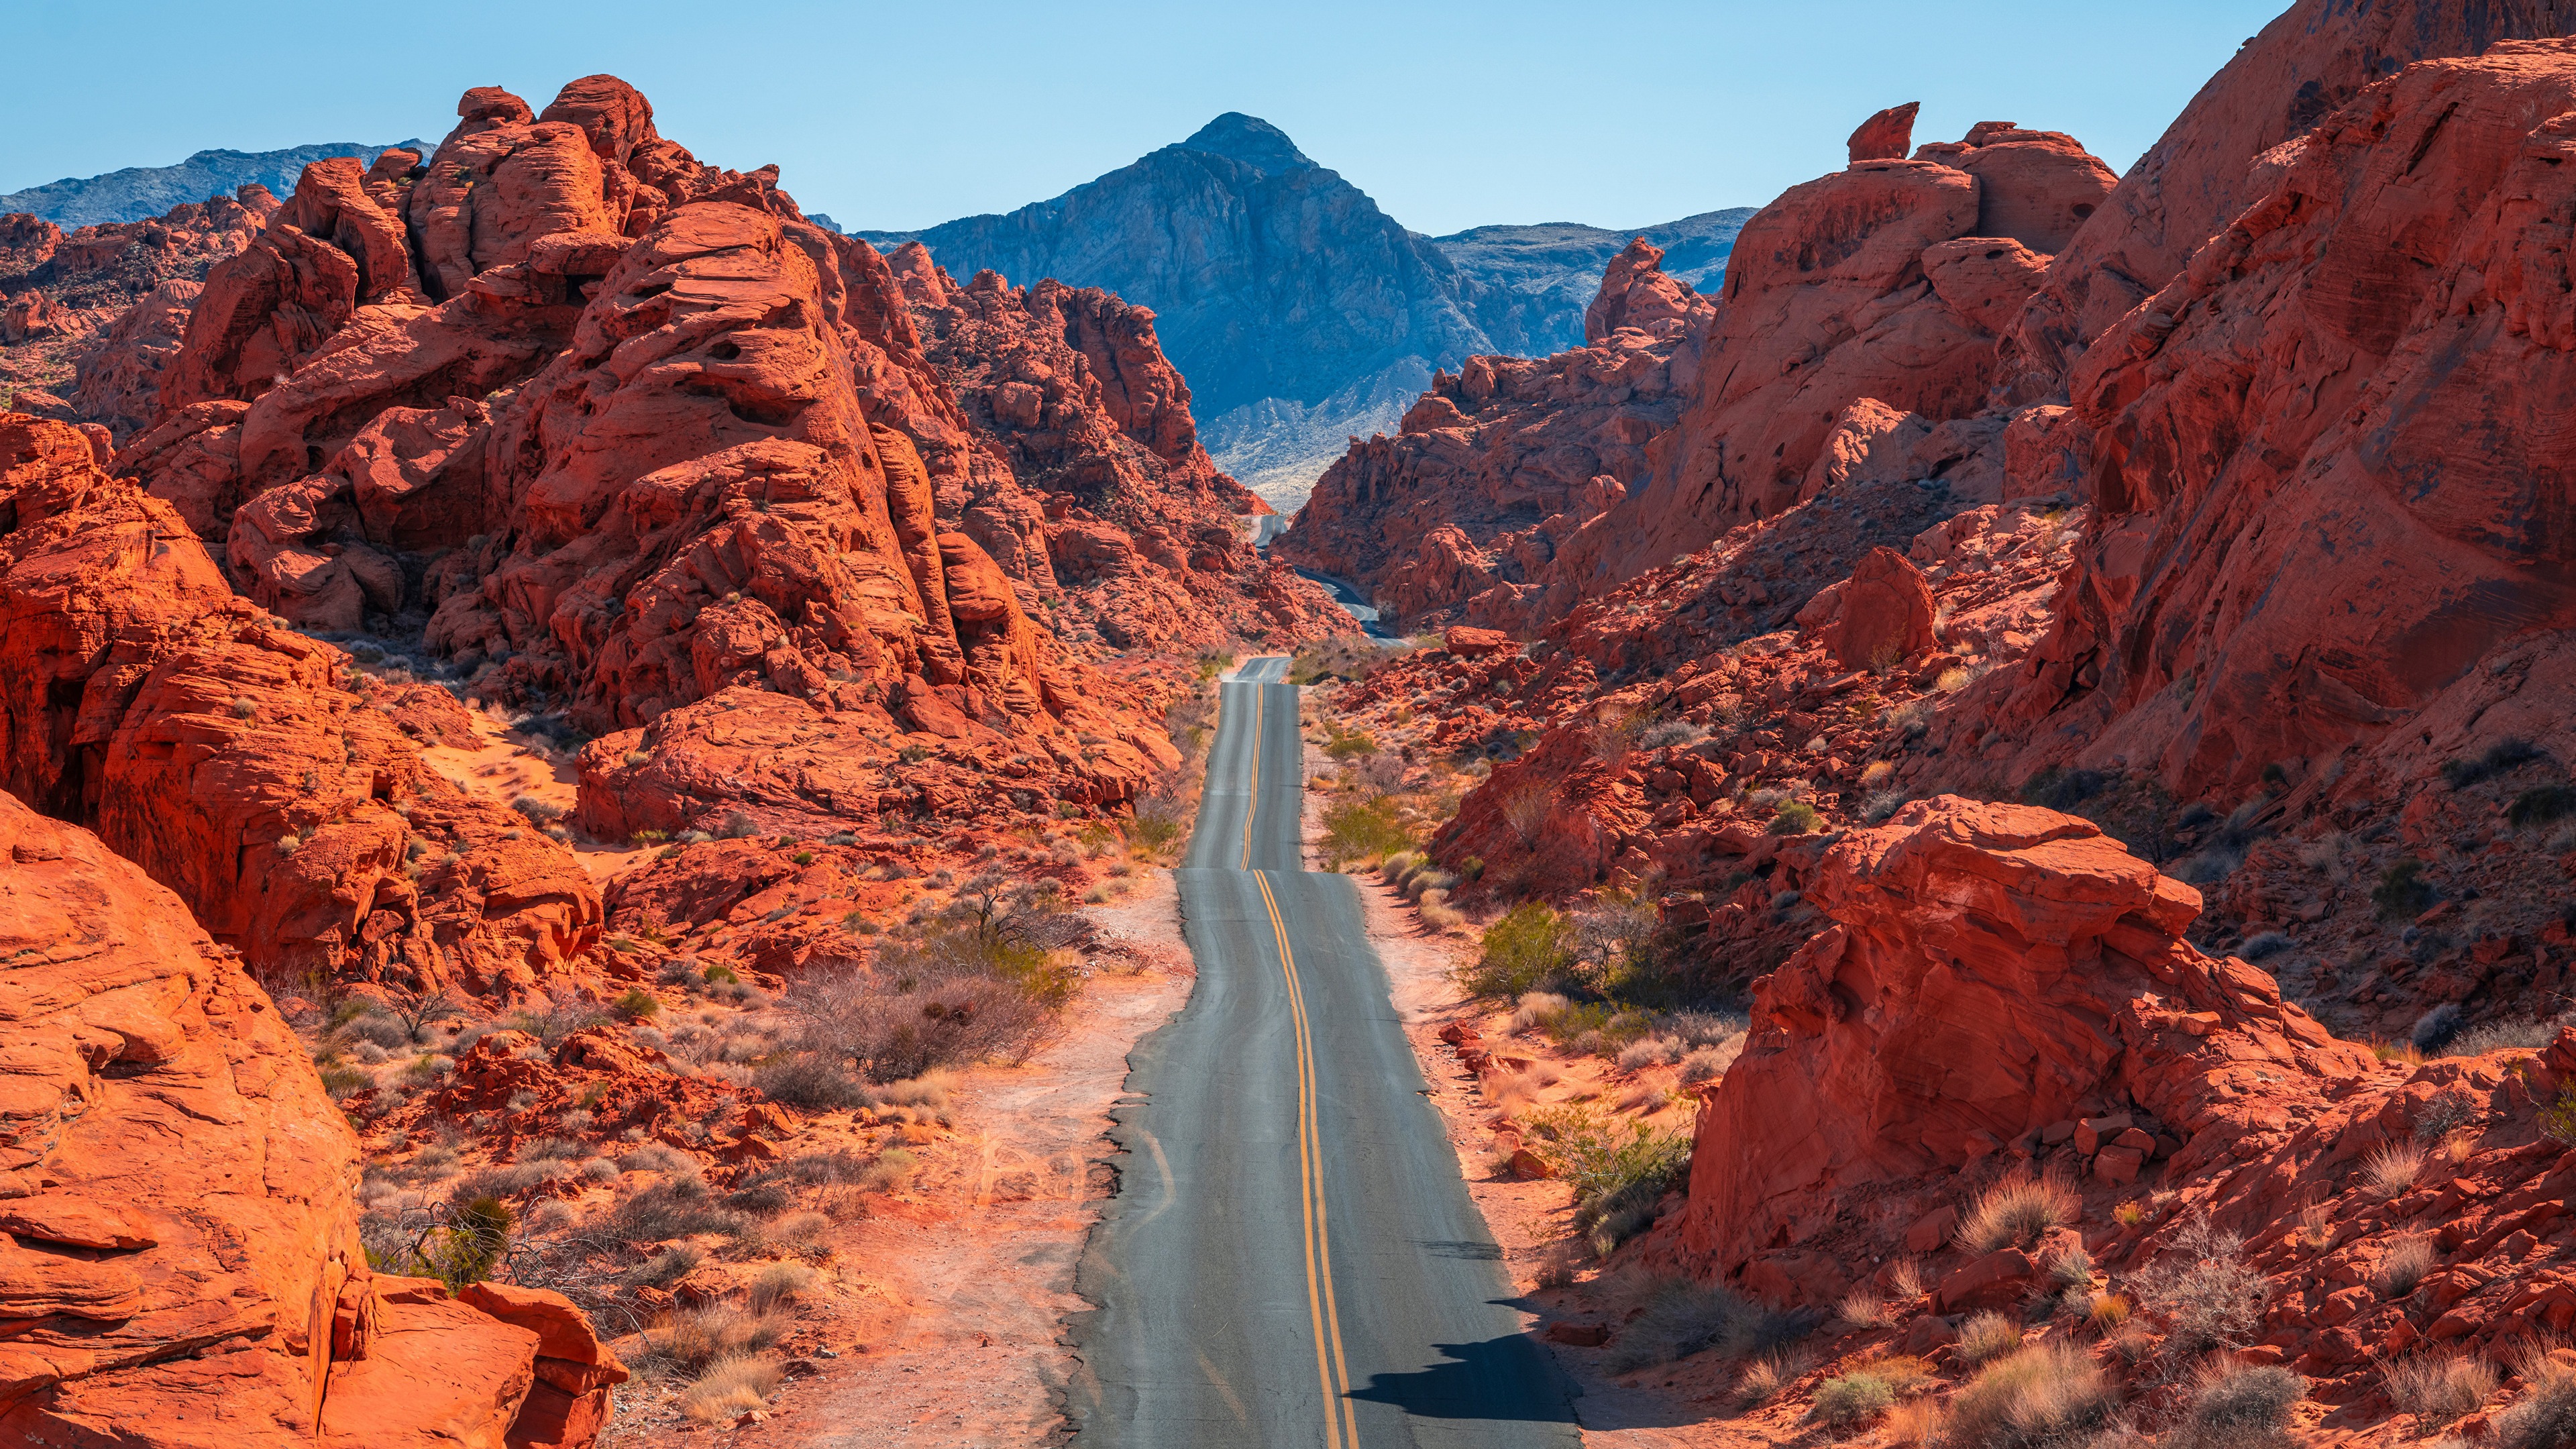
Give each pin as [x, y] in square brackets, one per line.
[1323, 1308]
[1342, 1426]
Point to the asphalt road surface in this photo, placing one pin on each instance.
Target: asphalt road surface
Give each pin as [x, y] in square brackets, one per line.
[1291, 1259]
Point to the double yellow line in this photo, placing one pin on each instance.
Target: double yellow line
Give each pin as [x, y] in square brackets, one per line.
[1341, 1424]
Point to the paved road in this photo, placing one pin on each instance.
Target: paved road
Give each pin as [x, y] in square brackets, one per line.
[1291, 1259]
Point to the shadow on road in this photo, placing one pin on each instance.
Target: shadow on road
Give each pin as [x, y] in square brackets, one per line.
[1507, 1380]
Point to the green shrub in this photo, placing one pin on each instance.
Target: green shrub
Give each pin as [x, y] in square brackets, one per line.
[1345, 746]
[1160, 822]
[1618, 1173]
[1853, 1398]
[1796, 818]
[639, 1004]
[719, 975]
[1521, 951]
[1363, 830]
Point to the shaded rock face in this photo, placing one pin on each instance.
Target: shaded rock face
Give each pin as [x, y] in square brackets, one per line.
[233, 762]
[1137, 526]
[2330, 457]
[179, 1203]
[1462, 512]
[1988, 970]
[2213, 161]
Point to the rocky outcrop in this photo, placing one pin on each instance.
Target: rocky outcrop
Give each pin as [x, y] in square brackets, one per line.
[182, 1259]
[2216, 159]
[1463, 511]
[1138, 528]
[1885, 281]
[2302, 428]
[2048, 983]
[237, 762]
[139, 193]
[95, 315]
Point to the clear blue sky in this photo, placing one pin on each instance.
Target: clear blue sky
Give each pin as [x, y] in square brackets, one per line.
[900, 116]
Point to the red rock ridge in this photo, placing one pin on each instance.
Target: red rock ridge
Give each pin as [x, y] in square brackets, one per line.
[236, 762]
[1886, 281]
[1140, 530]
[1462, 512]
[182, 1246]
[2301, 428]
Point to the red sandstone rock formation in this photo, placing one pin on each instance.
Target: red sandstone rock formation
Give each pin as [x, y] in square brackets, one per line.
[2215, 160]
[2325, 478]
[2048, 983]
[75, 324]
[183, 1256]
[1498, 467]
[1139, 529]
[1881, 282]
[234, 760]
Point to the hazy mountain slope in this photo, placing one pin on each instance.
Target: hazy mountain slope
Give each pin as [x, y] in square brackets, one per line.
[144, 191]
[1300, 312]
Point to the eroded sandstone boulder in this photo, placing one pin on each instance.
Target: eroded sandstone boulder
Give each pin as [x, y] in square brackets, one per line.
[181, 1252]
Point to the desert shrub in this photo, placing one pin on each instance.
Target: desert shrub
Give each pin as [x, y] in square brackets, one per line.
[1987, 1336]
[1711, 1062]
[2205, 1294]
[777, 1286]
[2405, 1264]
[1161, 822]
[2545, 1416]
[2062, 789]
[680, 1207]
[692, 1340]
[729, 1387]
[639, 1004]
[1849, 1399]
[1861, 1309]
[1797, 817]
[666, 1267]
[2237, 1407]
[1762, 1380]
[2435, 1028]
[2402, 892]
[460, 1245]
[1618, 1173]
[1363, 830]
[1682, 1317]
[2388, 1171]
[2016, 1210]
[2440, 1389]
[810, 1080]
[2510, 1034]
[1523, 951]
[2541, 805]
[2503, 755]
[2265, 944]
[2046, 1394]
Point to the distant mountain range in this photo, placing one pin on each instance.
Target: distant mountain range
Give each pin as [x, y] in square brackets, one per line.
[138, 192]
[1300, 314]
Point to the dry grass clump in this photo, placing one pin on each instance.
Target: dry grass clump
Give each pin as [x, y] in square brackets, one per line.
[1763, 1379]
[1682, 1317]
[1915, 1422]
[779, 1285]
[700, 1337]
[1861, 1309]
[2049, 1393]
[2441, 1389]
[2237, 1407]
[1905, 1280]
[2545, 1416]
[2404, 1264]
[2016, 1210]
[1847, 1400]
[1711, 1062]
[1987, 1336]
[2388, 1171]
[728, 1387]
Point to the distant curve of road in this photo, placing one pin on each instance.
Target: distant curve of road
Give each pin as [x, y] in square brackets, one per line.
[1292, 1258]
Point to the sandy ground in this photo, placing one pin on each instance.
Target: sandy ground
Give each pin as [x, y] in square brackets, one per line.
[945, 1333]
[505, 767]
